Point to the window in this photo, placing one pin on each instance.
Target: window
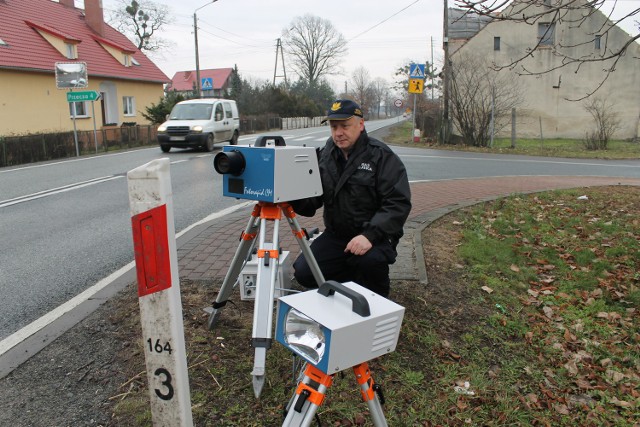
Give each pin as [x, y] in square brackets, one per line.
[127, 61]
[3, 43]
[227, 110]
[81, 109]
[219, 115]
[546, 33]
[496, 43]
[70, 51]
[596, 41]
[128, 107]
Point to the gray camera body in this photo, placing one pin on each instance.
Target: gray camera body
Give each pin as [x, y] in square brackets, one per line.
[269, 171]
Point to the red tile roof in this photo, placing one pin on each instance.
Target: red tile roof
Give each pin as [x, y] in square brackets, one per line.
[27, 50]
[184, 80]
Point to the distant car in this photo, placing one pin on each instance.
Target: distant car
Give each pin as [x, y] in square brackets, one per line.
[200, 123]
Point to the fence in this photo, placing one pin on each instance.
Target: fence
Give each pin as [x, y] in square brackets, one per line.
[17, 150]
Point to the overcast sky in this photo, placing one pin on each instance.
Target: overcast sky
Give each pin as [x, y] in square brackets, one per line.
[382, 35]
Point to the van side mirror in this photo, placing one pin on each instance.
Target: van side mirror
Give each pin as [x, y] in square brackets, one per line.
[218, 117]
[166, 118]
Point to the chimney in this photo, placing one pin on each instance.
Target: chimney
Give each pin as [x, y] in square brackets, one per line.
[93, 15]
[67, 3]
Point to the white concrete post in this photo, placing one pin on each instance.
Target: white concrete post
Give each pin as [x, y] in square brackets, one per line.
[154, 243]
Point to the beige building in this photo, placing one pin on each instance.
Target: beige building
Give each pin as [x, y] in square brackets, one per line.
[543, 44]
[44, 48]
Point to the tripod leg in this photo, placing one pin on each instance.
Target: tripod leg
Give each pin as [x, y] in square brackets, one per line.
[268, 263]
[308, 397]
[363, 375]
[302, 241]
[246, 243]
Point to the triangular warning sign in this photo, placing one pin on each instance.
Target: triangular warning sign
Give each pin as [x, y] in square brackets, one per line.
[207, 84]
[417, 72]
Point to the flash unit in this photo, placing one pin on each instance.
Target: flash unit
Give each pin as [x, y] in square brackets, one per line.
[339, 325]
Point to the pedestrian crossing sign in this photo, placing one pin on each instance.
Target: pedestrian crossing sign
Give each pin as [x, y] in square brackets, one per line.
[207, 83]
[416, 71]
[416, 85]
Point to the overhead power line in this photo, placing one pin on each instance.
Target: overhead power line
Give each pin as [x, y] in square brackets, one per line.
[383, 21]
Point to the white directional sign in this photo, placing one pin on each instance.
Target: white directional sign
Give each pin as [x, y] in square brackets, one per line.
[416, 71]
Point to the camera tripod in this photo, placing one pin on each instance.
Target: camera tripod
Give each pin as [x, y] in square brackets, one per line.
[313, 386]
[268, 260]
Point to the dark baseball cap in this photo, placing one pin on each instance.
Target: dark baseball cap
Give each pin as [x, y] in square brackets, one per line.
[343, 109]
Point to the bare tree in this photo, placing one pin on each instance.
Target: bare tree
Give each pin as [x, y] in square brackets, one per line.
[362, 89]
[606, 121]
[380, 92]
[548, 15]
[314, 46]
[478, 95]
[139, 21]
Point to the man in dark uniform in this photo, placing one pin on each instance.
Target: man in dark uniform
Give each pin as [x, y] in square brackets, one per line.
[366, 199]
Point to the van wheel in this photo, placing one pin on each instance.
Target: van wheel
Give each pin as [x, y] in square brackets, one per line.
[209, 146]
[165, 148]
[234, 138]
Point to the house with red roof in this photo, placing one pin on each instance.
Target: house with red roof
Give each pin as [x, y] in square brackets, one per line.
[50, 48]
[215, 82]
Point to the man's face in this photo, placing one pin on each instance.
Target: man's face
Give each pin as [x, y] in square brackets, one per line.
[345, 133]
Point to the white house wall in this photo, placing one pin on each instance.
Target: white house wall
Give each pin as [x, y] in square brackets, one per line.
[548, 95]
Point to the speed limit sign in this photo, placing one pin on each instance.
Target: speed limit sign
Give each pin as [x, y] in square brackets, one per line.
[398, 103]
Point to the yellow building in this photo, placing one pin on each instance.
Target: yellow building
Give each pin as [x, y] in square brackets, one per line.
[48, 49]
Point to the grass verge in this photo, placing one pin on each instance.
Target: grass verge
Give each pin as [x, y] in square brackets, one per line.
[572, 148]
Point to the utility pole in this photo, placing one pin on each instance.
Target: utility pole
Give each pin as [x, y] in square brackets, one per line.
[195, 35]
[275, 70]
[446, 76]
[432, 68]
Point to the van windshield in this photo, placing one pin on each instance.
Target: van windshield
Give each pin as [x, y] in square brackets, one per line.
[191, 112]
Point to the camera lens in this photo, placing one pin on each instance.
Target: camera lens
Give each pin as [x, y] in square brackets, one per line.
[231, 162]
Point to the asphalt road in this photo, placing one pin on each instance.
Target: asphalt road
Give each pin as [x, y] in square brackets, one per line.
[66, 225]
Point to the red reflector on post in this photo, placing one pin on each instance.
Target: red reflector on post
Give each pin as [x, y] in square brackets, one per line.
[151, 250]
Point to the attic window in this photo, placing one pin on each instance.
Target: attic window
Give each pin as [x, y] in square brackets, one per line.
[70, 51]
[3, 43]
[134, 62]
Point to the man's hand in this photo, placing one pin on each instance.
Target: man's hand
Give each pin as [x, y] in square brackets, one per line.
[359, 245]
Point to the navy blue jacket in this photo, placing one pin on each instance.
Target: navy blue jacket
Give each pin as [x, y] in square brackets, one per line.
[370, 197]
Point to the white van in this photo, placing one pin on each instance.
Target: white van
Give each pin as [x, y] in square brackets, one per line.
[200, 123]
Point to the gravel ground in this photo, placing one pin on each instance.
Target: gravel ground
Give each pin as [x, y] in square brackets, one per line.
[71, 381]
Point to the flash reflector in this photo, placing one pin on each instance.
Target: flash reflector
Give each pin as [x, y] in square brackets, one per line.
[339, 325]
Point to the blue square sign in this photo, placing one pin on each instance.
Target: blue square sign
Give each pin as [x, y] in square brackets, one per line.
[207, 83]
[416, 71]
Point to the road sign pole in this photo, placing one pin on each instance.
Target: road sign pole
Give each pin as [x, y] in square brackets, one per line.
[75, 130]
[95, 135]
[154, 243]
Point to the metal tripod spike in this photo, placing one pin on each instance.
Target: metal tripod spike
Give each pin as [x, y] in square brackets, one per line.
[268, 264]
[313, 387]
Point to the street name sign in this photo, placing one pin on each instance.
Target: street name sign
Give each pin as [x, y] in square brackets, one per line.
[86, 95]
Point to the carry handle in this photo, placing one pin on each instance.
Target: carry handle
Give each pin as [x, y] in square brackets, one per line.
[261, 141]
[360, 305]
